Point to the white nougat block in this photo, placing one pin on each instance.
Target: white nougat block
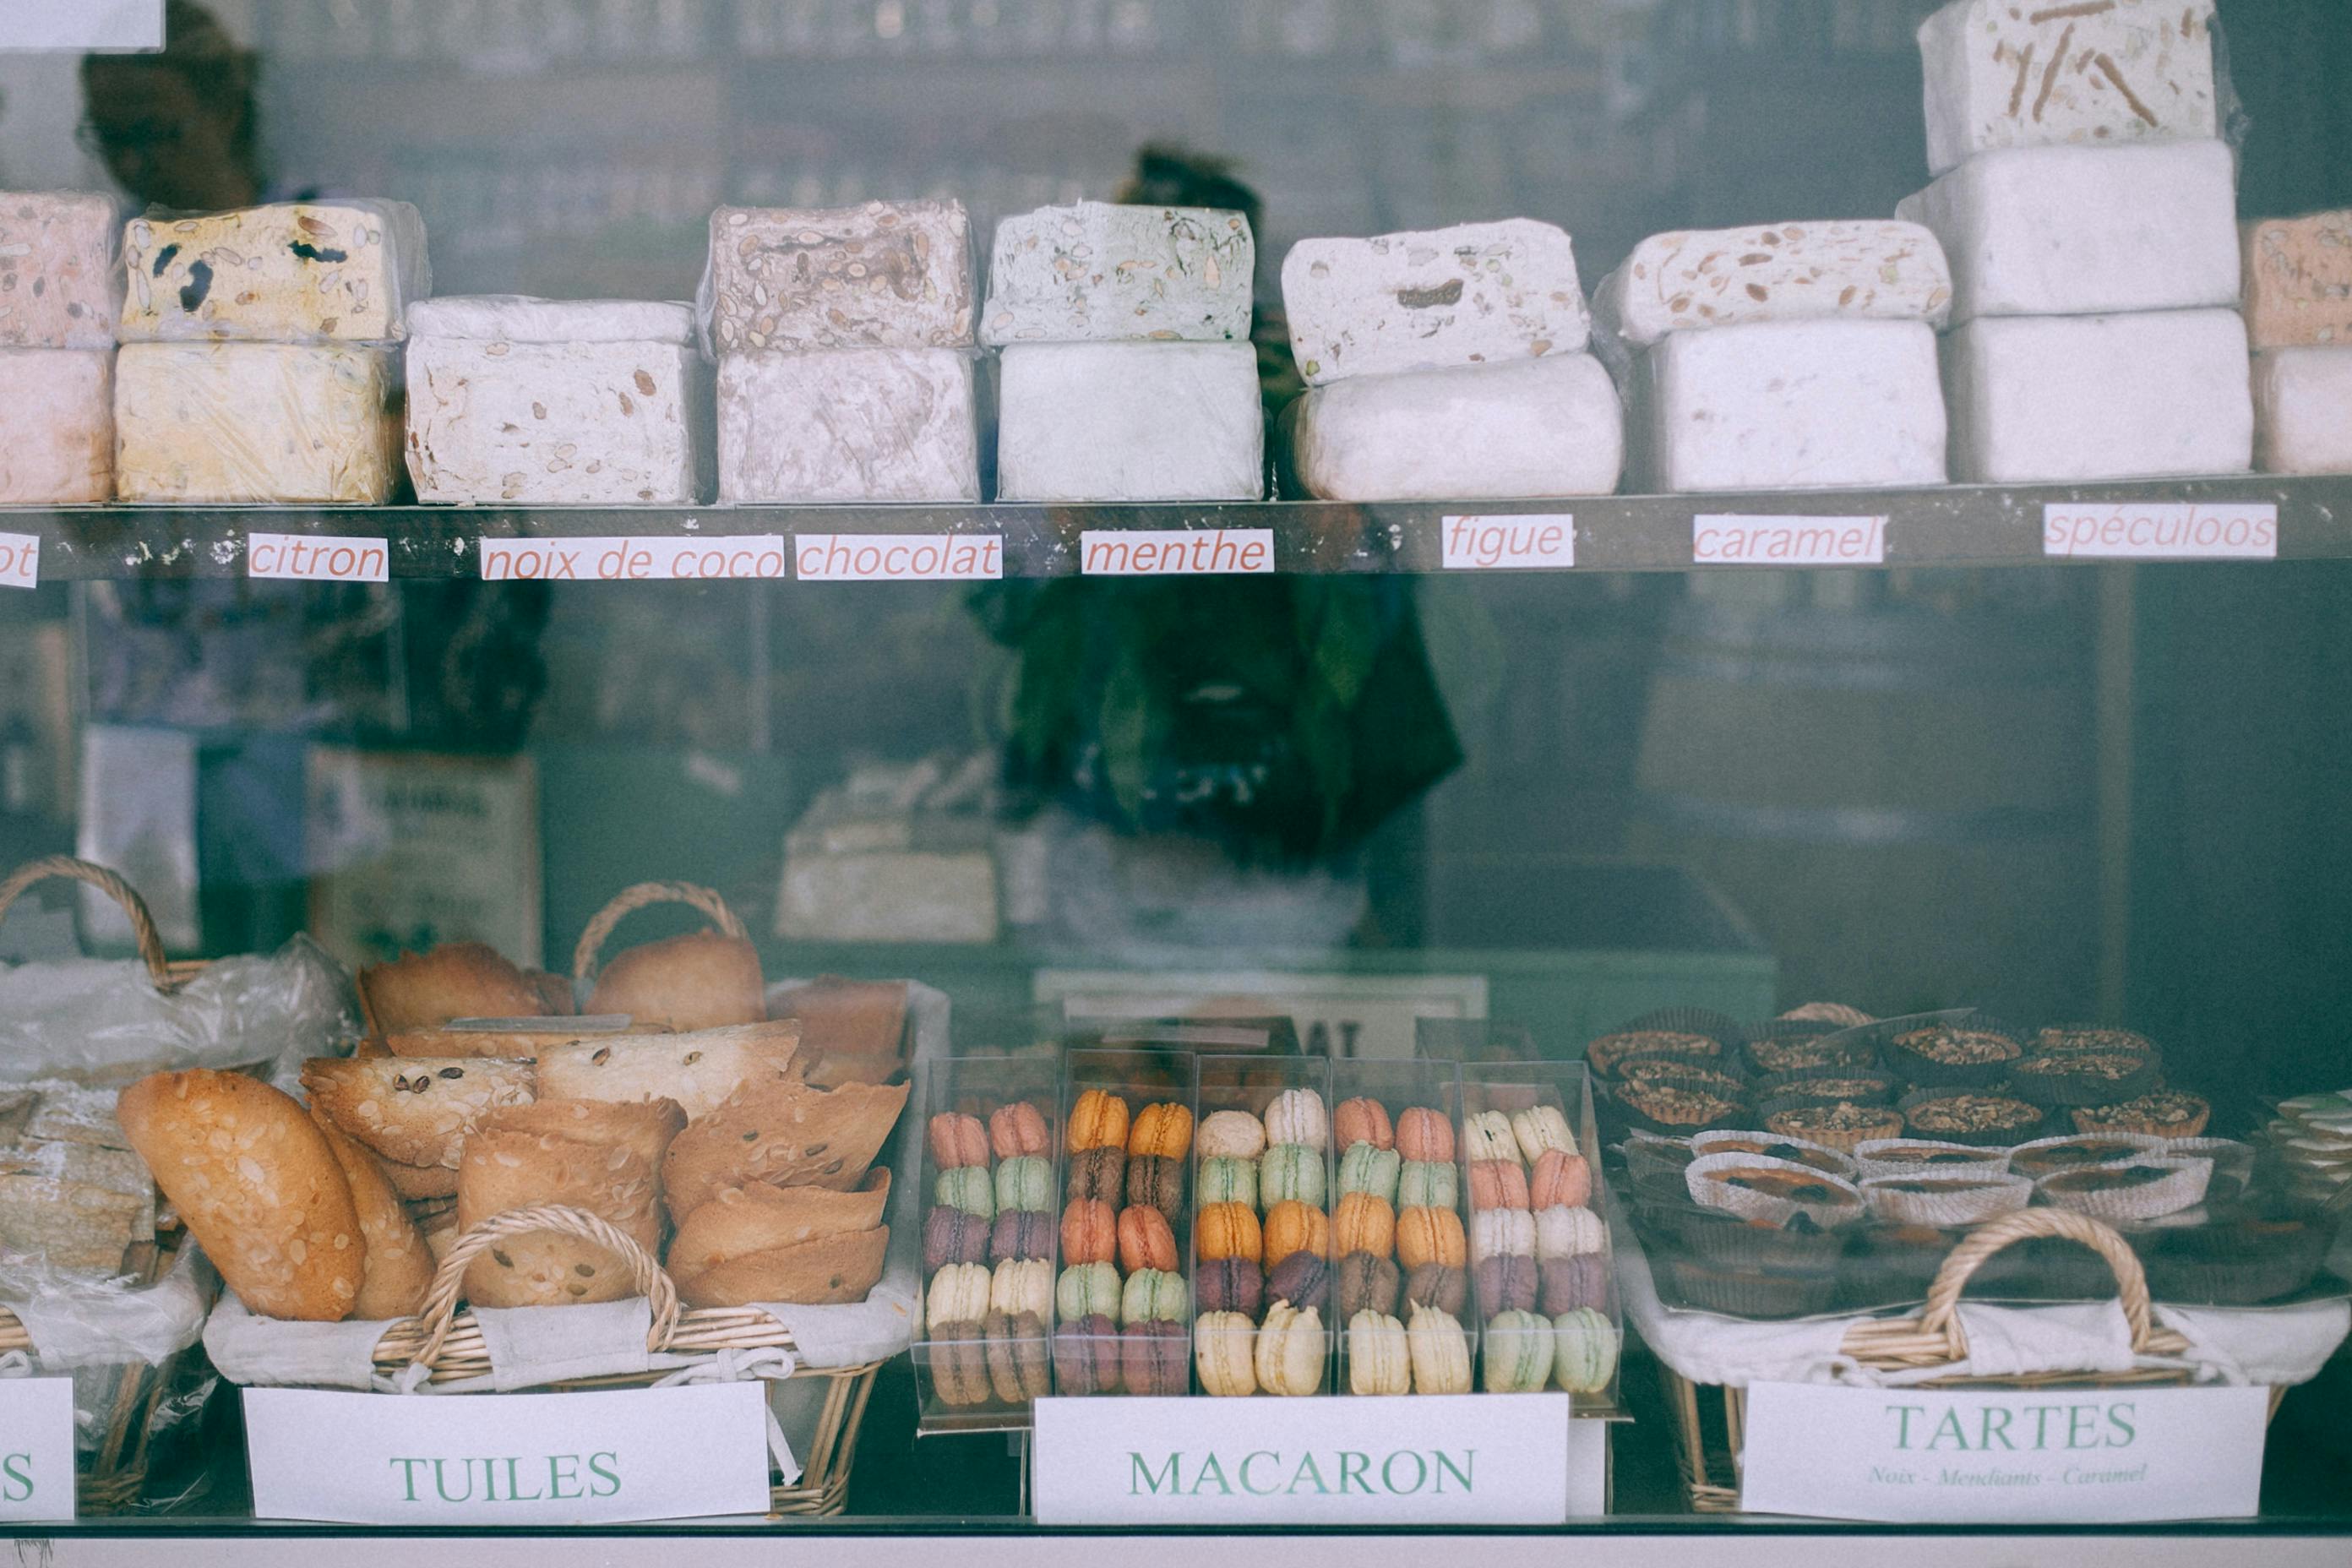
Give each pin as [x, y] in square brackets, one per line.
[1479, 293]
[1793, 405]
[57, 426]
[1097, 272]
[325, 271]
[2062, 398]
[847, 425]
[1551, 426]
[1867, 271]
[2037, 73]
[2302, 410]
[1130, 422]
[554, 403]
[60, 280]
[236, 423]
[2079, 231]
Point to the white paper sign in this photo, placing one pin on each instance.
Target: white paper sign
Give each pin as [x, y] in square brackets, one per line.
[20, 560]
[80, 24]
[2160, 531]
[1441, 1459]
[527, 1460]
[1735, 539]
[898, 557]
[1506, 542]
[36, 1448]
[318, 557]
[1922, 1456]
[1174, 552]
[620, 558]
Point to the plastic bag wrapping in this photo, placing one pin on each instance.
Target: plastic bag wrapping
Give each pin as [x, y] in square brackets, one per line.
[883, 274]
[234, 423]
[297, 272]
[60, 269]
[101, 1021]
[101, 1333]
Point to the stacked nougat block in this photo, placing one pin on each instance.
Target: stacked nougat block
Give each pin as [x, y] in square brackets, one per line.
[60, 292]
[1449, 364]
[2090, 218]
[1126, 372]
[1790, 356]
[844, 338]
[2298, 310]
[526, 401]
[260, 356]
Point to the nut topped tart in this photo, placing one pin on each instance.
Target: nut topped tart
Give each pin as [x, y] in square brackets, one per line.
[1610, 1052]
[2167, 1113]
[1841, 1124]
[1953, 1054]
[1675, 1107]
[2066, 1078]
[2078, 1040]
[1857, 1086]
[1969, 1116]
[1675, 1069]
[1811, 1051]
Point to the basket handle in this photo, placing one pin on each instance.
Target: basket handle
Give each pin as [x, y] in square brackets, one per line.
[110, 883]
[1942, 1313]
[628, 900]
[439, 1313]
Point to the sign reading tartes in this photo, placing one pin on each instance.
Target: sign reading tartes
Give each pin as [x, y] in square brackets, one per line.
[36, 1448]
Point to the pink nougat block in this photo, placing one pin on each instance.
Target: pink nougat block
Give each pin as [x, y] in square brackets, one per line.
[57, 426]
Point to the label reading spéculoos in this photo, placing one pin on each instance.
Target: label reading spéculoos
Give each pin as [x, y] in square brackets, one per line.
[2160, 531]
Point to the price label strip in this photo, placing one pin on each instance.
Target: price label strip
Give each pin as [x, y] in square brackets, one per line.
[1175, 553]
[1735, 538]
[2159, 531]
[898, 557]
[36, 1449]
[20, 560]
[620, 558]
[1507, 541]
[318, 557]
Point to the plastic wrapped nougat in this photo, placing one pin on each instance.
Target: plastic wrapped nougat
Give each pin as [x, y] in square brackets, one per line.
[295, 273]
[233, 423]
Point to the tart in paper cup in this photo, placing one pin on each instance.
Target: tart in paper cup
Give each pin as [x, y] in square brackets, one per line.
[1944, 1200]
[2080, 1150]
[1927, 1157]
[1773, 1146]
[2165, 1112]
[1678, 1107]
[1839, 1124]
[1773, 1192]
[1965, 1052]
[1648, 1153]
[1743, 1293]
[1721, 1239]
[1827, 1086]
[2064, 1080]
[1984, 1118]
[2142, 1189]
[2233, 1163]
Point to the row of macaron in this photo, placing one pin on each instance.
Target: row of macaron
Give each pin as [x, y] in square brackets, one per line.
[1524, 1352]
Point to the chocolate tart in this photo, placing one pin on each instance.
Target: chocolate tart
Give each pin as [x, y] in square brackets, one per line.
[2166, 1114]
[2146, 1189]
[1774, 1191]
[2048, 1157]
[1946, 1201]
[1985, 1119]
[1722, 1240]
[1953, 1056]
[2084, 1077]
[1751, 1293]
[1840, 1124]
[1926, 1157]
[1773, 1146]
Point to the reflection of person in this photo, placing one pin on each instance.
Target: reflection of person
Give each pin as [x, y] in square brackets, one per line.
[1171, 177]
[177, 128]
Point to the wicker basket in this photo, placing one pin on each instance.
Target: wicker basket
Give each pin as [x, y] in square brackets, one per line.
[1709, 1431]
[645, 895]
[449, 1342]
[110, 1477]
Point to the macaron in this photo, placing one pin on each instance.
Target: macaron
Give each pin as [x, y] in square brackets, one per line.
[1425, 1136]
[1154, 1296]
[959, 1364]
[1364, 1283]
[1157, 1182]
[1292, 1226]
[1296, 1116]
[1379, 1359]
[1362, 1121]
[1020, 1233]
[1541, 1129]
[1086, 1290]
[1363, 1222]
[1098, 1119]
[1145, 1241]
[1016, 1130]
[1022, 1286]
[957, 1141]
[1152, 1359]
[1290, 1172]
[1227, 1180]
[1366, 1169]
[1487, 1135]
[1089, 1232]
[1226, 1230]
[1560, 1177]
[1231, 1285]
[1497, 1185]
[1497, 1232]
[1224, 1353]
[1291, 1350]
[951, 1235]
[1025, 1182]
[1428, 1184]
[1563, 1284]
[1230, 1134]
[1099, 1173]
[1440, 1352]
[1437, 1285]
[1086, 1356]
[968, 1187]
[959, 1294]
[1016, 1349]
[1519, 1352]
[1423, 1236]
[1507, 1282]
[1565, 1232]
[1163, 1130]
[1584, 1351]
[1303, 1279]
